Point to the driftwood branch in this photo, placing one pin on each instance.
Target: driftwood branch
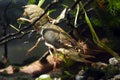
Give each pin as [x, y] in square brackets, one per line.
[45, 64]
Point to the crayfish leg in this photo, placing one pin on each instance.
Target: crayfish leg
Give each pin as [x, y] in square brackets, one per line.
[36, 44]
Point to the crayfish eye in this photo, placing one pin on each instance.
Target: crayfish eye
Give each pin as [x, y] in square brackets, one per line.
[78, 50]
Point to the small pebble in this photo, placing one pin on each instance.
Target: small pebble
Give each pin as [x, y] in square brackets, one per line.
[113, 61]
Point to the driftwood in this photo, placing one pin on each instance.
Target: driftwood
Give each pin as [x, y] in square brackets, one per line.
[45, 64]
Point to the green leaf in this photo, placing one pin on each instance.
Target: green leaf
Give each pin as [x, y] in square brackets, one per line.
[76, 16]
[94, 35]
[67, 73]
[61, 16]
[31, 1]
[65, 6]
[16, 28]
[50, 11]
[41, 2]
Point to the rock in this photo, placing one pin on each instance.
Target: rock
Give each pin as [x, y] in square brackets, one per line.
[113, 61]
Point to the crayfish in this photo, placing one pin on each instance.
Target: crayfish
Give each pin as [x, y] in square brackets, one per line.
[54, 36]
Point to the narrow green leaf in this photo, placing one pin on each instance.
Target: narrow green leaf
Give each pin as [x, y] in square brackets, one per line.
[65, 6]
[41, 2]
[16, 28]
[67, 73]
[76, 16]
[94, 35]
[50, 11]
[61, 16]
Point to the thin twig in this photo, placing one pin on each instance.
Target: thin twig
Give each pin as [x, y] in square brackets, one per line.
[15, 37]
